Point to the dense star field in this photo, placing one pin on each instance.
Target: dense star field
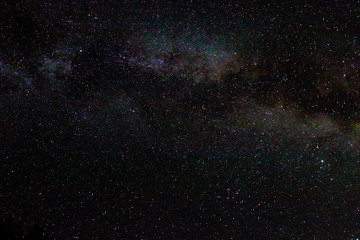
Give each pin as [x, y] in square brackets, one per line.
[180, 119]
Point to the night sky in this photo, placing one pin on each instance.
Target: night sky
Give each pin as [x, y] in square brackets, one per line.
[180, 119]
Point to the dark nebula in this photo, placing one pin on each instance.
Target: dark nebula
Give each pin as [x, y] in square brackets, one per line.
[179, 119]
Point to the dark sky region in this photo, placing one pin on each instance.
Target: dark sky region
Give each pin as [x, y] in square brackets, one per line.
[179, 119]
